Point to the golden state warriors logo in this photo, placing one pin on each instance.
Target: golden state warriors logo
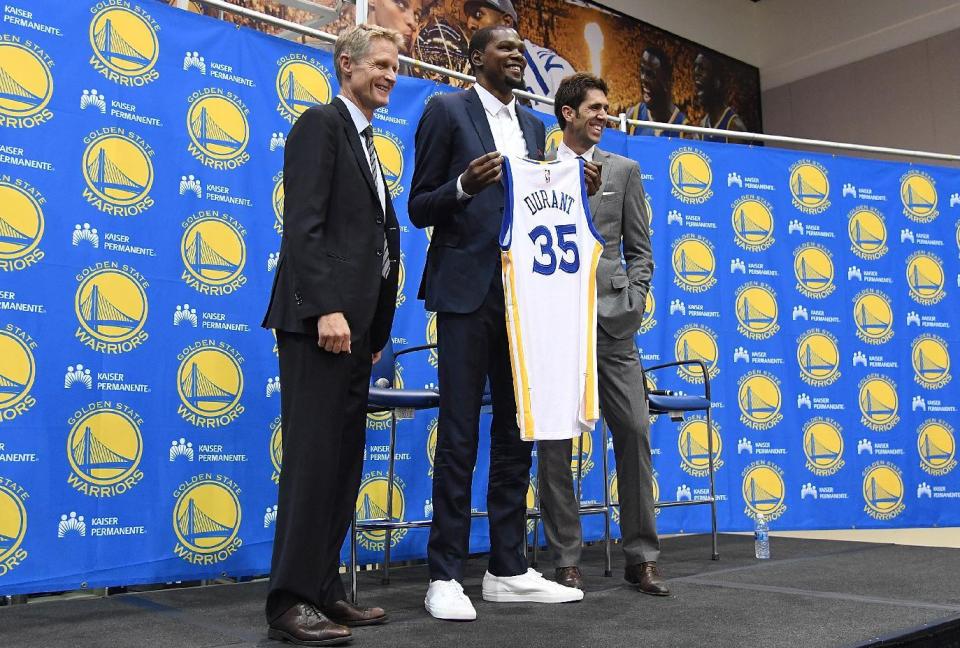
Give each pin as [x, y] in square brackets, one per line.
[18, 371]
[752, 219]
[276, 199]
[756, 305]
[691, 176]
[434, 359]
[931, 361]
[823, 446]
[117, 172]
[925, 278]
[868, 233]
[918, 193]
[26, 84]
[764, 490]
[401, 281]
[818, 355]
[883, 490]
[125, 44]
[531, 502]
[104, 449]
[372, 505]
[111, 307]
[213, 252]
[206, 519]
[656, 491]
[432, 429]
[209, 383]
[646, 199]
[813, 269]
[582, 446]
[873, 316]
[649, 313]
[694, 447]
[302, 81]
[695, 342]
[381, 420]
[390, 152]
[759, 398]
[276, 449]
[878, 402]
[937, 447]
[810, 187]
[693, 263]
[614, 486]
[219, 130]
[554, 137]
[13, 525]
[21, 224]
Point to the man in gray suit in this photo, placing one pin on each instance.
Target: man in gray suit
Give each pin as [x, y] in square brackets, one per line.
[621, 216]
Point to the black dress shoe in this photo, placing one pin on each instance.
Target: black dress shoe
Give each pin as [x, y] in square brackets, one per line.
[647, 578]
[347, 614]
[569, 577]
[303, 625]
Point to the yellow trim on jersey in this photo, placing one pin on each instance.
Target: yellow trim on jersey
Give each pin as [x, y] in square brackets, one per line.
[591, 406]
[518, 365]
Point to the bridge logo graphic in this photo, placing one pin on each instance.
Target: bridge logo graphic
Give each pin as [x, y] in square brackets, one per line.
[931, 361]
[763, 490]
[691, 175]
[883, 490]
[301, 84]
[390, 151]
[759, 399]
[21, 225]
[117, 169]
[813, 269]
[431, 336]
[926, 278]
[696, 342]
[18, 370]
[752, 220]
[210, 383]
[868, 233]
[125, 46]
[937, 447]
[554, 137]
[104, 449]
[206, 517]
[694, 446]
[878, 402]
[381, 420]
[276, 199]
[531, 502]
[401, 280]
[26, 85]
[276, 449]
[615, 495]
[213, 253]
[13, 525]
[219, 130]
[432, 429]
[918, 193]
[646, 200]
[873, 316]
[111, 306]
[823, 446]
[585, 443]
[810, 187]
[372, 505]
[694, 263]
[818, 356]
[756, 307]
[649, 313]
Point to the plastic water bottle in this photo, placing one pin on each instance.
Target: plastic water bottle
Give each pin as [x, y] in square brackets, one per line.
[761, 538]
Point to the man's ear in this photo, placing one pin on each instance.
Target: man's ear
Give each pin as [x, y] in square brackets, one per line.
[476, 59]
[345, 65]
[507, 20]
[568, 113]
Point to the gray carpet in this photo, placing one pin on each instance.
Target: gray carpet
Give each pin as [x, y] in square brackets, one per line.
[812, 593]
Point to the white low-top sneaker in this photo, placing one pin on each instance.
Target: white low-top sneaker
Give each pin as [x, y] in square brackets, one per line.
[531, 587]
[445, 600]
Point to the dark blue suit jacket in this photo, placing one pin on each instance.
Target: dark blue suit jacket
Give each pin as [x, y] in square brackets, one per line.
[464, 252]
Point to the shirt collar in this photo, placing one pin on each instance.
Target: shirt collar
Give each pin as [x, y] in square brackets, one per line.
[491, 104]
[360, 120]
[564, 152]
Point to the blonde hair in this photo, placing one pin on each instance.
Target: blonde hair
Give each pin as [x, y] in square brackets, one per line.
[355, 43]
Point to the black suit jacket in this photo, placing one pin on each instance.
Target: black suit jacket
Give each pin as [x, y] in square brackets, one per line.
[464, 250]
[333, 227]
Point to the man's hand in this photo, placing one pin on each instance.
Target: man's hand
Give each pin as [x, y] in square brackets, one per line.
[481, 173]
[375, 358]
[334, 333]
[591, 173]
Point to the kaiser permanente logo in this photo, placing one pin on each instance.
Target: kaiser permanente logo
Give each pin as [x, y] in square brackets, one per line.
[926, 278]
[756, 308]
[690, 175]
[868, 233]
[206, 519]
[125, 43]
[214, 252]
[111, 306]
[694, 446]
[301, 82]
[21, 224]
[763, 490]
[210, 383]
[759, 398]
[937, 447]
[13, 525]
[818, 356]
[931, 361]
[694, 263]
[18, 371]
[809, 187]
[696, 342]
[26, 83]
[918, 193]
[104, 449]
[219, 130]
[823, 446]
[883, 490]
[752, 219]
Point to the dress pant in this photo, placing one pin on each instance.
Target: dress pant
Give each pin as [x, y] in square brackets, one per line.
[323, 410]
[472, 347]
[624, 407]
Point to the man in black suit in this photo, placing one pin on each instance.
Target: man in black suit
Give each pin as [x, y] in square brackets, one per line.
[332, 308]
[460, 142]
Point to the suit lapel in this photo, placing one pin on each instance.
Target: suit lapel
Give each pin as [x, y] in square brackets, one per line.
[479, 117]
[354, 139]
[600, 157]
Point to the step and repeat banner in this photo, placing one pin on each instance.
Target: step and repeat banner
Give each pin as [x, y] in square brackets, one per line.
[141, 157]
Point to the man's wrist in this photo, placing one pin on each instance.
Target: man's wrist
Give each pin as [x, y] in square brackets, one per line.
[461, 194]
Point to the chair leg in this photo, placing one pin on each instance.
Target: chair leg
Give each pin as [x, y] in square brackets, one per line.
[606, 499]
[353, 559]
[715, 554]
[536, 524]
[388, 535]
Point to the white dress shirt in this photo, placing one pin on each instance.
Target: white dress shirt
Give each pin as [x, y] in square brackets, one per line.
[564, 152]
[360, 121]
[504, 126]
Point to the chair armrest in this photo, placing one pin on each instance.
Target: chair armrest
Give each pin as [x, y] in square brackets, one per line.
[680, 363]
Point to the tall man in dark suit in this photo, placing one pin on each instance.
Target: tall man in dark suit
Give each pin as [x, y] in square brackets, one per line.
[620, 215]
[460, 142]
[332, 307]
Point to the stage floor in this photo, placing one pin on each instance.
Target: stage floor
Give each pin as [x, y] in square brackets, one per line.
[811, 593]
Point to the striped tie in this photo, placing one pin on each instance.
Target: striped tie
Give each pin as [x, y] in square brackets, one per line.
[374, 162]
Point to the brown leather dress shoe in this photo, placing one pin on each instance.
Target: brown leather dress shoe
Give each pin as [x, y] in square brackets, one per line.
[569, 577]
[345, 613]
[303, 625]
[647, 578]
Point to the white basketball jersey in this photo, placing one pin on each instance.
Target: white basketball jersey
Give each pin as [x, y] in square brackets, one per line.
[550, 251]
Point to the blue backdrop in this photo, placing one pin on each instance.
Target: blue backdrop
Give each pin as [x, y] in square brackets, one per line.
[140, 194]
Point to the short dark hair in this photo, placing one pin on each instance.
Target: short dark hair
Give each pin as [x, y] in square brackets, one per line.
[665, 63]
[481, 38]
[573, 91]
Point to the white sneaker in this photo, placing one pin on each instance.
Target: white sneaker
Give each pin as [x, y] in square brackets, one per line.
[445, 600]
[531, 587]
